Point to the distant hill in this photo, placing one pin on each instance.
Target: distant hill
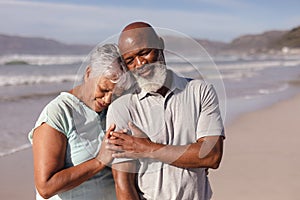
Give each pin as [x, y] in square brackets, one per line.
[34, 45]
[290, 39]
[266, 42]
[213, 47]
[254, 43]
[186, 45]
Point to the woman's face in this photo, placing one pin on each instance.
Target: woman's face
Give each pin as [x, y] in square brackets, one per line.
[99, 92]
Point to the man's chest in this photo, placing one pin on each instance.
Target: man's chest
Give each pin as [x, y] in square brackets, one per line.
[170, 120]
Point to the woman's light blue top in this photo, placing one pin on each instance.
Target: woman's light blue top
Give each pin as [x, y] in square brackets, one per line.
[84, 130]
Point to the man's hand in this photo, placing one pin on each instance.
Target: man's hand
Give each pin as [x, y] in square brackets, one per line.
[205, 153]
[127, 146]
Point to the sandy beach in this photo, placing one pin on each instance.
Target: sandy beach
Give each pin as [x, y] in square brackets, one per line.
[261, 159]
[17, 176]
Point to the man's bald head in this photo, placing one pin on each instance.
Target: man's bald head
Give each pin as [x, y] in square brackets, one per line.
[139, 35]
[135, 25]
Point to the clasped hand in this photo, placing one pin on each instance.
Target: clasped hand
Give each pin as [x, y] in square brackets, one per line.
[105, 154]
[126, 146]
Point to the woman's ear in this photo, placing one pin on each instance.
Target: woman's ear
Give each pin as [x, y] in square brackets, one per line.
[87, 73]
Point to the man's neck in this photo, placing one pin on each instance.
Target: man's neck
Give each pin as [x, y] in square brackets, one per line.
[163, 91]
[167, 85]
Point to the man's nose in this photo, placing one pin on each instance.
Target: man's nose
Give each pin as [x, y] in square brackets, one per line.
[140, 61]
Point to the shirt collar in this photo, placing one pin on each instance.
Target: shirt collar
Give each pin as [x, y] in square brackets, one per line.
[176, 83]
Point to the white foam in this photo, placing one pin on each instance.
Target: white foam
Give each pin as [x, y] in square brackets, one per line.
[43, 59]
[273, 90]
[14, 150]
[259, 65]
[267, 91]
[27, 80]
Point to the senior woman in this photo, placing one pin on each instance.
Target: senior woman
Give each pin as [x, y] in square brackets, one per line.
[70, 160]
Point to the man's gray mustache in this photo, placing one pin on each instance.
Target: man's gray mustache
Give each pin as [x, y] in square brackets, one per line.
[143, 68]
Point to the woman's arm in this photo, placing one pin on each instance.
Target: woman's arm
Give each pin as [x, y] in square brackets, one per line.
[49, 149]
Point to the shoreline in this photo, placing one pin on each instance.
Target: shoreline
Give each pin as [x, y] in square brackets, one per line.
[260, 158]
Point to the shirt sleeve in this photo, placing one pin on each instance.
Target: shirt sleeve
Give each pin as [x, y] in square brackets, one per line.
[210, 121]
[119, 114]
[55, 116]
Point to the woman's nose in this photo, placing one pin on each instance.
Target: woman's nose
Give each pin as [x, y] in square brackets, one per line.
[107, 98]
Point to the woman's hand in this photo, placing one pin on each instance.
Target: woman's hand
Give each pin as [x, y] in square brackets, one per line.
[105, 154]
[127, 146]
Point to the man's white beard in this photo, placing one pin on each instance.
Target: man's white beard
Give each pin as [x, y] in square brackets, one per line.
[155, 81]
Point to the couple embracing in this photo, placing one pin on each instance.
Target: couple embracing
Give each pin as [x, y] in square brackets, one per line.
[156, 140]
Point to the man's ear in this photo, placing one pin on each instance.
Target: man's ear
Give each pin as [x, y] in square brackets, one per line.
[87, 73]
[161, 43]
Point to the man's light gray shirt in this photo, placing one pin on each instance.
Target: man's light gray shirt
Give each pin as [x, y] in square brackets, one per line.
[189, 111]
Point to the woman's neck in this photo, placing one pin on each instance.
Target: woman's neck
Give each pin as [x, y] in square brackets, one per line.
[77, 92]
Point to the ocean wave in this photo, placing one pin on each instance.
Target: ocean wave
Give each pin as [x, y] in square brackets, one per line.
[241, 66]
[42, 59]
[274, 89]
[267, 91]
[27, 80]
[215, 73]
[14, 150]
[259, 65]
[12, 98]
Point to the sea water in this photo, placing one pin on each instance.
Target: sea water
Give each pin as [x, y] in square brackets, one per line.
[243, 84]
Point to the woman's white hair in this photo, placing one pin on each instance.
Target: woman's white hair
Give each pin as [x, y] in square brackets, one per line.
[106, 61]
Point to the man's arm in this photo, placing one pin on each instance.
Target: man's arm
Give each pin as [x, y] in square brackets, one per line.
[125, 184]
[206, 152]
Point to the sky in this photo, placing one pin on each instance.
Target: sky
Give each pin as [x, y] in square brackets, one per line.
[91, 21]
